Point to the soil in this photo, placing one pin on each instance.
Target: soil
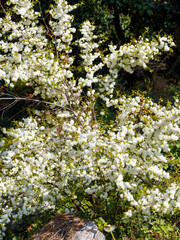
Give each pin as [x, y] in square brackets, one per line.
[61, 227]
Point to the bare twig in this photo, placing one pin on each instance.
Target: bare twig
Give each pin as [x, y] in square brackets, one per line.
[2, 7]
[16, 99]
[144, 181]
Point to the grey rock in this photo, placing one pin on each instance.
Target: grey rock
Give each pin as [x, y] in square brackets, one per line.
[89, 232]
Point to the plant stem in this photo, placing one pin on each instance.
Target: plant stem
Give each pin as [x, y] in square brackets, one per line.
[113, 236]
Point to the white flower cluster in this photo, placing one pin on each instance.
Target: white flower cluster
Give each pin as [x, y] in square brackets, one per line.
[24, 8]
[156, 200]
[89, 55]
[136, 53]
[23, 174]
[29, 57]
[41, 164]
[61, 27]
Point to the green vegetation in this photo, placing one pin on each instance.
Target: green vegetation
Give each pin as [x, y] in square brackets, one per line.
[89, 118]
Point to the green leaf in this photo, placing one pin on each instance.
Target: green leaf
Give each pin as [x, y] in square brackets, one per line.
[178, 145]
[164, 228]
[149, 12]
[16, 238]
[102, 220]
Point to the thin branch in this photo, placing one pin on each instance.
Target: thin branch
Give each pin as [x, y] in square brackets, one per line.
[19, 113]
[47, 28]
[80, 207]
[144, 181]
[2, 7]
[35, 100]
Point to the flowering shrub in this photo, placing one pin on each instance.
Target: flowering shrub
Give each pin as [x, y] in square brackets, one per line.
[66, 151]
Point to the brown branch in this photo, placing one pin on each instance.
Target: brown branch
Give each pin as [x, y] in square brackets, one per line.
[2, 7]
[117, 25]
[35, 100]
[78, 206]
[144, 181]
